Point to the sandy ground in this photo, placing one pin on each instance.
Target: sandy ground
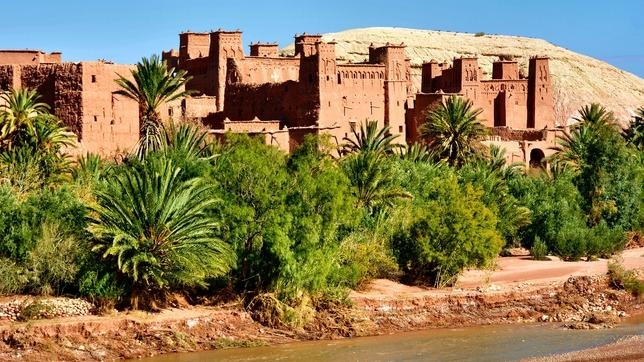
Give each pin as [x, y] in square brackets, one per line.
[521, 269]
[516, 272]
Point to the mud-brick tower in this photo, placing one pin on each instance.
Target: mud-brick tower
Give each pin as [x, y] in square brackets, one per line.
[395, 84]
[540, 102]
[223, 45]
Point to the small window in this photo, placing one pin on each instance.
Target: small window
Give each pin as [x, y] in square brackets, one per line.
[170, 111]
[93, 78]
[400, 129]
[95, 118]
[339, 79]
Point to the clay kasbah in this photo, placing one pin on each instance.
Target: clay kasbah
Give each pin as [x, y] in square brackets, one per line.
[284, 98]
[281, 99]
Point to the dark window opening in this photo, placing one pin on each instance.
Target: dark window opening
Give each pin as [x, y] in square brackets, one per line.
[93, 78]
[95, 118]
[400, 129]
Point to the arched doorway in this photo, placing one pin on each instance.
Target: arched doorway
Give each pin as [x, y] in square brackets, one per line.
[537, 158]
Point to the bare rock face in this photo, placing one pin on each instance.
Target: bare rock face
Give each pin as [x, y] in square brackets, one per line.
[577, 79]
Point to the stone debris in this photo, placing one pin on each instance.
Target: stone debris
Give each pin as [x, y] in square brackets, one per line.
[44, 308]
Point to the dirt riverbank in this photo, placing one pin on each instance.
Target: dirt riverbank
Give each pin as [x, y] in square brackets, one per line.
[574, 295]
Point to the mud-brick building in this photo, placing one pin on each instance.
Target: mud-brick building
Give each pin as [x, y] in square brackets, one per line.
[81, 95]
[518, 110]
[286, 97]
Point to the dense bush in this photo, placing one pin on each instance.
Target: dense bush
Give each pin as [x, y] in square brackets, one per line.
[42, 239]
[451, 231]
[539, 250]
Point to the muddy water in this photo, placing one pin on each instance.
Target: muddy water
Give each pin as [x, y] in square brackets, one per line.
[487, 343]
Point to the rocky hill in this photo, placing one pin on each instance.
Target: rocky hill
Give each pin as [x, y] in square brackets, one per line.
[577, 79]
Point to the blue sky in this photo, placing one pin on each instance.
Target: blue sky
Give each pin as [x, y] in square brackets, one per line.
[124, 31]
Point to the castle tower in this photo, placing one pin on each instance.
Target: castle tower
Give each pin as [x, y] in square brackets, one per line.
[323, 68]
[540, 101]
[467, 77]
[305, 44]
[505, 70]
[193, 45]
[430, 73]
[397, 78]
[268, 50]
[224, 45]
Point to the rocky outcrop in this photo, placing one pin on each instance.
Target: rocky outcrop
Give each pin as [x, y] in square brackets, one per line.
[577, 79]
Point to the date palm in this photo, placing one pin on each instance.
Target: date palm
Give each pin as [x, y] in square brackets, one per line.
[154, 229]
[19, 112]
[374, 180]
[454, 131]
[153, 84]
[368, 138]
[634, 134]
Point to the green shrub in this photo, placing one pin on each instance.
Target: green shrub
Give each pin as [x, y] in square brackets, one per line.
[101, 288]
[13, 277]
[365, 255]
[604, 241]
[539, 250]
[621, 278]
[54, 261]
[479, 34]
[33, 309]
[570, 243]
[451, 231]
[21, 221]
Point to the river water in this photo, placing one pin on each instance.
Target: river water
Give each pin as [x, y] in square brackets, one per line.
[484, 343]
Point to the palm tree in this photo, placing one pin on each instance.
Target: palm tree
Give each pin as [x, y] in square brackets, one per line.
[188, 140]
[153, 85]
[575, 147]
[454, 130]
[415, 152]
[155, 230]
[597, 116]
[370, 139]
[374, 180]
[18, 114]
[634, 134]
[31, 140]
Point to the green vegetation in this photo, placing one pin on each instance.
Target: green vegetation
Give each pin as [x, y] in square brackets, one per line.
[288, 233]
[153, 85]
[625, 279]
[539, 250]
[454, 131]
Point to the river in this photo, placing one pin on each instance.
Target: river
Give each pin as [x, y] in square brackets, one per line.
[483, 343]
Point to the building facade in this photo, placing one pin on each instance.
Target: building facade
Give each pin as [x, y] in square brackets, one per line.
[284, 98]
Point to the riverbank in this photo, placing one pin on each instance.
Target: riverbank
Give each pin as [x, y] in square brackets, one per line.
[574, 295]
